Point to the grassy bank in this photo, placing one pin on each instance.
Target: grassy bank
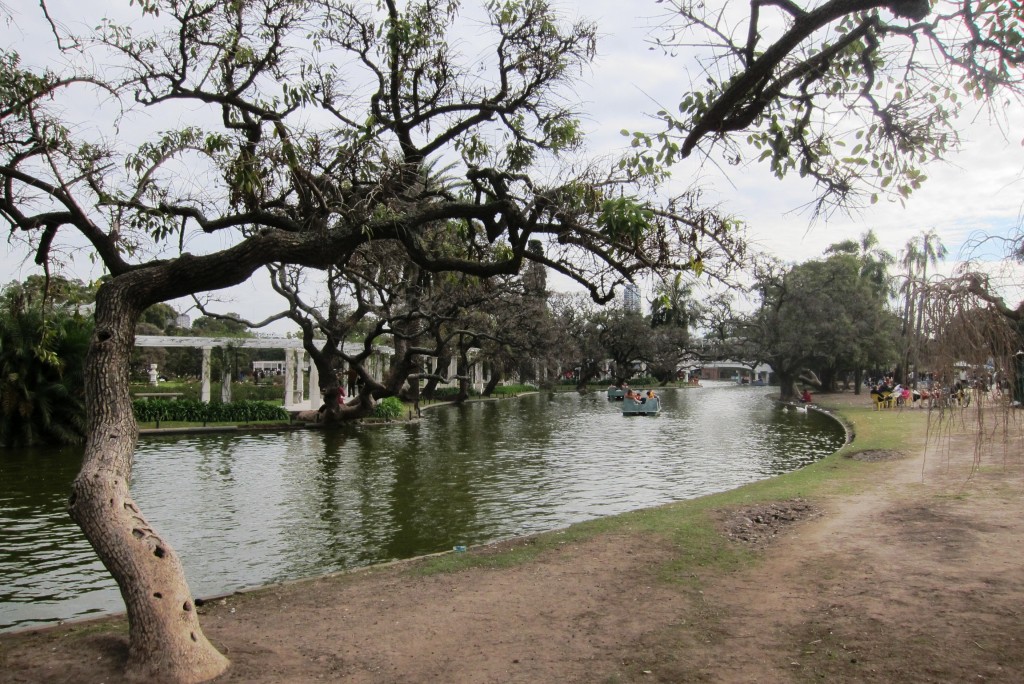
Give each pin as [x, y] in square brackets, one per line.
[691, 525]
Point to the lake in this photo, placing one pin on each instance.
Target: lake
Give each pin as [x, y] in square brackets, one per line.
[245, 509]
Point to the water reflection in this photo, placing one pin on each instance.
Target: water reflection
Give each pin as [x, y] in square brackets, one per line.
[256, 508]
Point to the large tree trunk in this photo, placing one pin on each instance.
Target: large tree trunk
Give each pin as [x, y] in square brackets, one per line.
[463, 374]
[787, 385]
[496, 376]
[588, 371]
[440, 369]
[166, 643]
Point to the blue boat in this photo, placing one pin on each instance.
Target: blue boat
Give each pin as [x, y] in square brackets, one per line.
[616, 393]
[645, 406]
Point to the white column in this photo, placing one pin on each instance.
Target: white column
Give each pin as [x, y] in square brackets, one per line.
[289, 376]
[205, 395]
[314, 386]
[225, 385]
[374, 366]
[299, 389]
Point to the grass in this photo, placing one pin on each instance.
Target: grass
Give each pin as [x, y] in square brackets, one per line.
[690, 525]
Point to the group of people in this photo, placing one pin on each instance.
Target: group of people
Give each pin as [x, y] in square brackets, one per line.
[636, 395]
[885, 390]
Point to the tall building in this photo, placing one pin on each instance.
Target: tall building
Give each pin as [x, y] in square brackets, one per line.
[631, 298]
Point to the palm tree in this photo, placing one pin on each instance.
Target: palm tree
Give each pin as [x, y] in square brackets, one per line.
[673, 303]
[921, 251]
[875, 261]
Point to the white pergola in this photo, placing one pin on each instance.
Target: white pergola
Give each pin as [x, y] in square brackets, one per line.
[296, 397]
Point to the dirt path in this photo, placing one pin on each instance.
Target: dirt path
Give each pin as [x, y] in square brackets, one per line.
[916, 577]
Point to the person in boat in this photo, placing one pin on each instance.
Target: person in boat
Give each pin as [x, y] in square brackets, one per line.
[806, 396]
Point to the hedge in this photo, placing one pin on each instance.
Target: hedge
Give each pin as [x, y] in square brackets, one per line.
[191, 411]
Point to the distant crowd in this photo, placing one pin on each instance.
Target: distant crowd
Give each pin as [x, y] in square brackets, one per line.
[931, 391]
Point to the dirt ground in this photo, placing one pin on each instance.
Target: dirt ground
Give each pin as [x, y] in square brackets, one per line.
[916, 578]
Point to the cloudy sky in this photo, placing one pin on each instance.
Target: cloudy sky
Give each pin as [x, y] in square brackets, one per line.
[978, 189]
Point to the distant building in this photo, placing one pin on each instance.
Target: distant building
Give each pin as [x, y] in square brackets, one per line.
[631, 298]
[268, 367]
[183, 321]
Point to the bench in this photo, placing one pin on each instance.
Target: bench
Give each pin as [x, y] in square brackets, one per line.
[158, 395]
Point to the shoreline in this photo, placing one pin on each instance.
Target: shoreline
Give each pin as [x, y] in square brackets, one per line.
[883, 562]
[204, 600]
[245, 590]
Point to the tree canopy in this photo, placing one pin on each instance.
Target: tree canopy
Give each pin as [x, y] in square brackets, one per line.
[822, 316]
[858, 95]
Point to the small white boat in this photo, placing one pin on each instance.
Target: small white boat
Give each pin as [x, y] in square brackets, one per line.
[644, 406]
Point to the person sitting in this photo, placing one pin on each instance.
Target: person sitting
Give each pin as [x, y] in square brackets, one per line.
[882, 396]
[805, 397]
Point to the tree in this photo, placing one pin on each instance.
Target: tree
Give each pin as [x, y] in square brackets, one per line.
[282, 162]
[820, 316]
[875, 261]
[578, 347]
[625, 338]
[874, 269]
[42, 358]
[161, 316]
[220, 326]
[980, 282]
[673, 304]
[51, 291]
[854, 94]
[921, 251]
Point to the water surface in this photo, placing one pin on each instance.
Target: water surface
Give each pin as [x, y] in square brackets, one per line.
[248, 509]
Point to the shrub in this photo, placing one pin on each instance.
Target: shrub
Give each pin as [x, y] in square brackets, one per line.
[389, 408]
[192, 411]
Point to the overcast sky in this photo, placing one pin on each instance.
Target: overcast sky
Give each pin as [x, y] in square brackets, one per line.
[979, 189]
